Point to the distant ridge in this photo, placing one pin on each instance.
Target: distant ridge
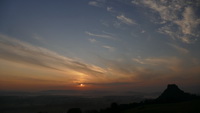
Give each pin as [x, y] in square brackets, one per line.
[172, 100]
[174, 94]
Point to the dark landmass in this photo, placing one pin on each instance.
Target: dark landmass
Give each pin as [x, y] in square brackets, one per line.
[85, 93]
[174, 94]
[172, 100]
[191, 106]
[59, 103]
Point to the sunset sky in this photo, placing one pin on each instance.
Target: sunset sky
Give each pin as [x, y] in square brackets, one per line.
[99, 44]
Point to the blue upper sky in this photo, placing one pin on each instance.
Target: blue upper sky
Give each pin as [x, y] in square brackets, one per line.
[101, 41]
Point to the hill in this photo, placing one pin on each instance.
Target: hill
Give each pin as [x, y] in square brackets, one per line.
[173, 100]
[180, 107]
[174, 94]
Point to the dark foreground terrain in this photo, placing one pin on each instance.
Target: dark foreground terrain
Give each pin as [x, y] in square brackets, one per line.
[58, 104]
[172, 100]
[179, 107]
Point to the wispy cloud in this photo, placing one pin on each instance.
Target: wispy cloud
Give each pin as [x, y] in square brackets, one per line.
[94, 3]
[138, 60]
[180, 49]
[97, 3]
[170, 12]
[110, 9]
[189, 21]
[116, 24]
[92, 40]
[157, 61]
[24, 53]
[143, 31]
[107, 36]
[126, 20]
[114, 72]
[152, 70]
[167, 10]
[109, 48]
[39, 38]
[163, 64]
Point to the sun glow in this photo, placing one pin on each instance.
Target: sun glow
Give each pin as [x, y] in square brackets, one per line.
[81, 85]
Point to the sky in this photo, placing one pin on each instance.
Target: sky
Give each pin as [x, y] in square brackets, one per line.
[115, 45]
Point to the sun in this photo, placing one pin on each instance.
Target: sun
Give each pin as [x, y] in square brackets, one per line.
[81, 85]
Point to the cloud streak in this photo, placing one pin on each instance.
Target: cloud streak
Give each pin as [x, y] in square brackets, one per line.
[94, 3]
[180, 49]
[97, 3]
[182, 28]
[109, 48]
[189, 22]
[92, 40]
[125, 20]
[110, 9]
[24, 53]
[139, 71]
[153, 70]
[106, 36]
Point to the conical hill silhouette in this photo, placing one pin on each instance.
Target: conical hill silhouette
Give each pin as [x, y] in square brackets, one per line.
[174, 94]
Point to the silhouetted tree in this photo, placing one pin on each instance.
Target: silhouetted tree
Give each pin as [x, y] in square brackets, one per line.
[91, 111]
[114, 105]
[74, 110]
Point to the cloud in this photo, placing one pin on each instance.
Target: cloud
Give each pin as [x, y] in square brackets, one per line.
[138, 61]
[168, 30]
[117, 24]
[115, 72]
[156, 61]
[189, 22]
[97, 3]
[143, 31]
[38, 38]
[110, 9]
[94, 3]
[109, 48]
[125, 20]
[13, 50]
[106, 36]
[135, 2]
[92, 40]
[167, 9]
[180, 49]
[152, 70]
[162, 63]
[177, 16]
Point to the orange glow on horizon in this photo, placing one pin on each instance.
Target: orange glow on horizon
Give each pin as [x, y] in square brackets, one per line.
[81, 85]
